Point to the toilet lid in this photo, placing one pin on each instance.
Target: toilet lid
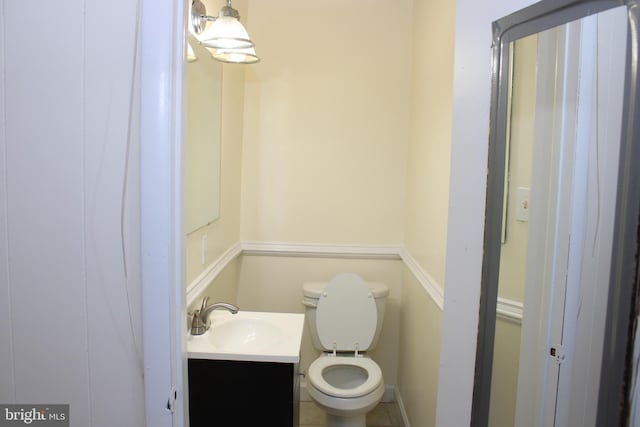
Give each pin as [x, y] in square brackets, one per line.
[317, 379]
[346, 317]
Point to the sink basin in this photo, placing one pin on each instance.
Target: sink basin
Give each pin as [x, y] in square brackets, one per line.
[238, 333]
[249, 336]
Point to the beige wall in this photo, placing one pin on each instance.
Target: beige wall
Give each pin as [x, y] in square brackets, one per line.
[275, 284]
[513, 255]
[504, 381]
[420, 322]
[326, 121]
[430, 137]
[225, 231]
[426, 205]
[224, 288]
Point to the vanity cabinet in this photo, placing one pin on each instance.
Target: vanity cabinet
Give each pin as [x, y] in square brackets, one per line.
[243, 393]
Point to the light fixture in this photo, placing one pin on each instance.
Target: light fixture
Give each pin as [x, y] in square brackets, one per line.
[226, 37]
[236, 56]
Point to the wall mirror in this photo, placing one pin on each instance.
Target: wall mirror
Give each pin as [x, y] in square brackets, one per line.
[561, 229]
[204, 115]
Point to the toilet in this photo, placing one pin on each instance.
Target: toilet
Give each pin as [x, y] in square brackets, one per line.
[345, 317]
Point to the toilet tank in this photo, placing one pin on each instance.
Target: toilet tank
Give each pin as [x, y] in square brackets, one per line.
[311, 292]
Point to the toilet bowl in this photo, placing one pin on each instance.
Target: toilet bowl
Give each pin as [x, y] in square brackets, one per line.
[344, 317]
[345, 386]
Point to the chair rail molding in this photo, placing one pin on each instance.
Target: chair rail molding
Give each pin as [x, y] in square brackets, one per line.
[200, 283]
[322, 250]
[432, 287]
[507, 309]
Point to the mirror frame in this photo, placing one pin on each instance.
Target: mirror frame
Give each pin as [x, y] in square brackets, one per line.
[622, 304]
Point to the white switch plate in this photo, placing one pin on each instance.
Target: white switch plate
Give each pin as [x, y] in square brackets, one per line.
[522, 209]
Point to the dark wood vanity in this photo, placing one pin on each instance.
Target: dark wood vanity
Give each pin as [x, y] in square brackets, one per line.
[242, 393]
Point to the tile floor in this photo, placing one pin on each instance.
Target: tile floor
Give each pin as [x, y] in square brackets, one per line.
[383, 415]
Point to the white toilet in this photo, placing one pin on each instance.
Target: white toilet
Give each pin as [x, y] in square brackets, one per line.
[345, 318]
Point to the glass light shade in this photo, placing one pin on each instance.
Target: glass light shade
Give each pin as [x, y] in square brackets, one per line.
[236, 56]
[226, 32]
[191, 55]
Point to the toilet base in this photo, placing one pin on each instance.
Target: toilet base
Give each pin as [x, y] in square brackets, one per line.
[351, 412]
[338, 421]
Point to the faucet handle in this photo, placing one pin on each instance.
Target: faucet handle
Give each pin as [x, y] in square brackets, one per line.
[205, 300]
[198, 327]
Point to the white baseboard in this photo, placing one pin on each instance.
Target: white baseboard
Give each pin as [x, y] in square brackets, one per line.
[388, 396]
[403, 410]
[304, 394]
[389, 393]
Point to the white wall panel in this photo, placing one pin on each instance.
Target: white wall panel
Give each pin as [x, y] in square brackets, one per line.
[43, 103]
[70, 318]
[6, 351]
[113, 291]
[471, 96]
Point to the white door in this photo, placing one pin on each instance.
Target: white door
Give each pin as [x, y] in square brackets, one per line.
[164, 318]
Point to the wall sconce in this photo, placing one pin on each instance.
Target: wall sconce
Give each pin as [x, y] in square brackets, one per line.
[236, 56]
[226, 37]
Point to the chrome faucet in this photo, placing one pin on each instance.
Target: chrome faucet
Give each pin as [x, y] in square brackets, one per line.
[200, 321]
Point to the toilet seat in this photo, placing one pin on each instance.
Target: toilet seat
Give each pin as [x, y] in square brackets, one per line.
[347, 295]
[374, 375]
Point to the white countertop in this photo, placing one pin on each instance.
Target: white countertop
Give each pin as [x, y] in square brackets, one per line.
[249, 336]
